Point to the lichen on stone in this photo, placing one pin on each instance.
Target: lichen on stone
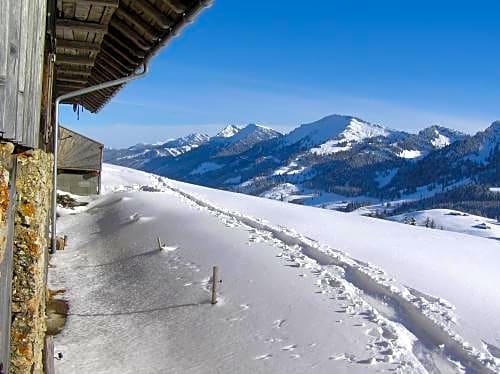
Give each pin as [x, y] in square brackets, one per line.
[34, 188]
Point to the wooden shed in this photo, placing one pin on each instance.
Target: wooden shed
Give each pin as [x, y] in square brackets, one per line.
[79, 163]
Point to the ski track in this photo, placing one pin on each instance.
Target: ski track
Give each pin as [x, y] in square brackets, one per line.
[428, 318]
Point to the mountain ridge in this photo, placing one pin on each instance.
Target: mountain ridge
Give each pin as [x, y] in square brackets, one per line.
[337, 154]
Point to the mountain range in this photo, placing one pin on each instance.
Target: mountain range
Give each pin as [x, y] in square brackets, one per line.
[341, 155]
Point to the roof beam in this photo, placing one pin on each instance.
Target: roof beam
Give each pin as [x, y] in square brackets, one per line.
[108, 3]
[126, 47]
[130, 34]
[66, 70]
[108, 68]
[117, 61]
[118, 51]
[70, 24]
[142, 26]
[76, 44]
[157, 15]
[69, 87]
[74, 60]
[113, 67]
[176, 6]
[71, 79]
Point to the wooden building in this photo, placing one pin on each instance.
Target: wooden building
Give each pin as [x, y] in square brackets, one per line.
[50, 48]
[79, 163]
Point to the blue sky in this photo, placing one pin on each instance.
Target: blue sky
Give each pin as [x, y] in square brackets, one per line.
[403, 64]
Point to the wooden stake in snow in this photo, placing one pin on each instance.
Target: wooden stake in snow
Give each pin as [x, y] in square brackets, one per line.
[160, 246]
[214, 285]
[49, 355]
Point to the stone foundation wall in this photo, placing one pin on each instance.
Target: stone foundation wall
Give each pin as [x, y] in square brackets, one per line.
[31, 240]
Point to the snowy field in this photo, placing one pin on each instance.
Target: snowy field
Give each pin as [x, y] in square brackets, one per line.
[453, 220]
[304, 289]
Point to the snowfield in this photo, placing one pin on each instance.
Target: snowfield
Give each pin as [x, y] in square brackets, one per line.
[304, 289]
[453, 220]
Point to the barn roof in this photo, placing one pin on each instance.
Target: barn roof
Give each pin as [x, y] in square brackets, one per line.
[103, 40]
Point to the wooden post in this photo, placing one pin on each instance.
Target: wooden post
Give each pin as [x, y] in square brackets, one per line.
[49, 355]
[160, 247]
[214, 286]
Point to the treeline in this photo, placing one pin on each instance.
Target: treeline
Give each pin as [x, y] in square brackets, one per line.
[473, 199]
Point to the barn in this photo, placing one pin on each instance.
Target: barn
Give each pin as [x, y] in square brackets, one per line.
[79, 163]
[55, 52]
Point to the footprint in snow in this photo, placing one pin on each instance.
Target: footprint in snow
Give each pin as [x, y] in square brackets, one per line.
[167, 248]
[342, 356]
[273, 340]
[264, 357]
[245, 306]
[134, 217]
[279, 323]
[368, 361]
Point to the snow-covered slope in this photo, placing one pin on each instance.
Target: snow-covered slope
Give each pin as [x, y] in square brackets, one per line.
[416, 256]
[452, 220]
[369, 301]
[439, 136]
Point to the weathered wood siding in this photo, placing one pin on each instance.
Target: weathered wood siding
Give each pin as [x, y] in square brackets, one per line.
[77, 152]
[22, 38]
[7, 208]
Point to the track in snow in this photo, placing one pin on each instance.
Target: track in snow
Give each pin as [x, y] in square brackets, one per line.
[430, 319]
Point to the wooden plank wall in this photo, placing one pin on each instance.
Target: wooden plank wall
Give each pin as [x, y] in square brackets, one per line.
[6, 274]
[22, 38]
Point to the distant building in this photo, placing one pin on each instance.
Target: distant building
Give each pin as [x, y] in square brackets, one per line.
[79, 163]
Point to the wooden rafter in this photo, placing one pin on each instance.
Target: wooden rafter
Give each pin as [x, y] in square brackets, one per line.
[122, 44]
[66, 70]
[114, 49]
[108, 3]
[148, 31]
[130, 34]
[154, 13]
[69, 87]
[110, 56]
[76, 44]
[176, 6]
[70, 24]
[71, 79]
[74, 60]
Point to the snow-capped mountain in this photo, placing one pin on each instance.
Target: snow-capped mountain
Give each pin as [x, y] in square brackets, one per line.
[214, 155]
[474, 158]
[334, 133]
[137, 155]
[246, 138]
[413, 146]
[228, 131]
[338, 154]
[440, 136]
